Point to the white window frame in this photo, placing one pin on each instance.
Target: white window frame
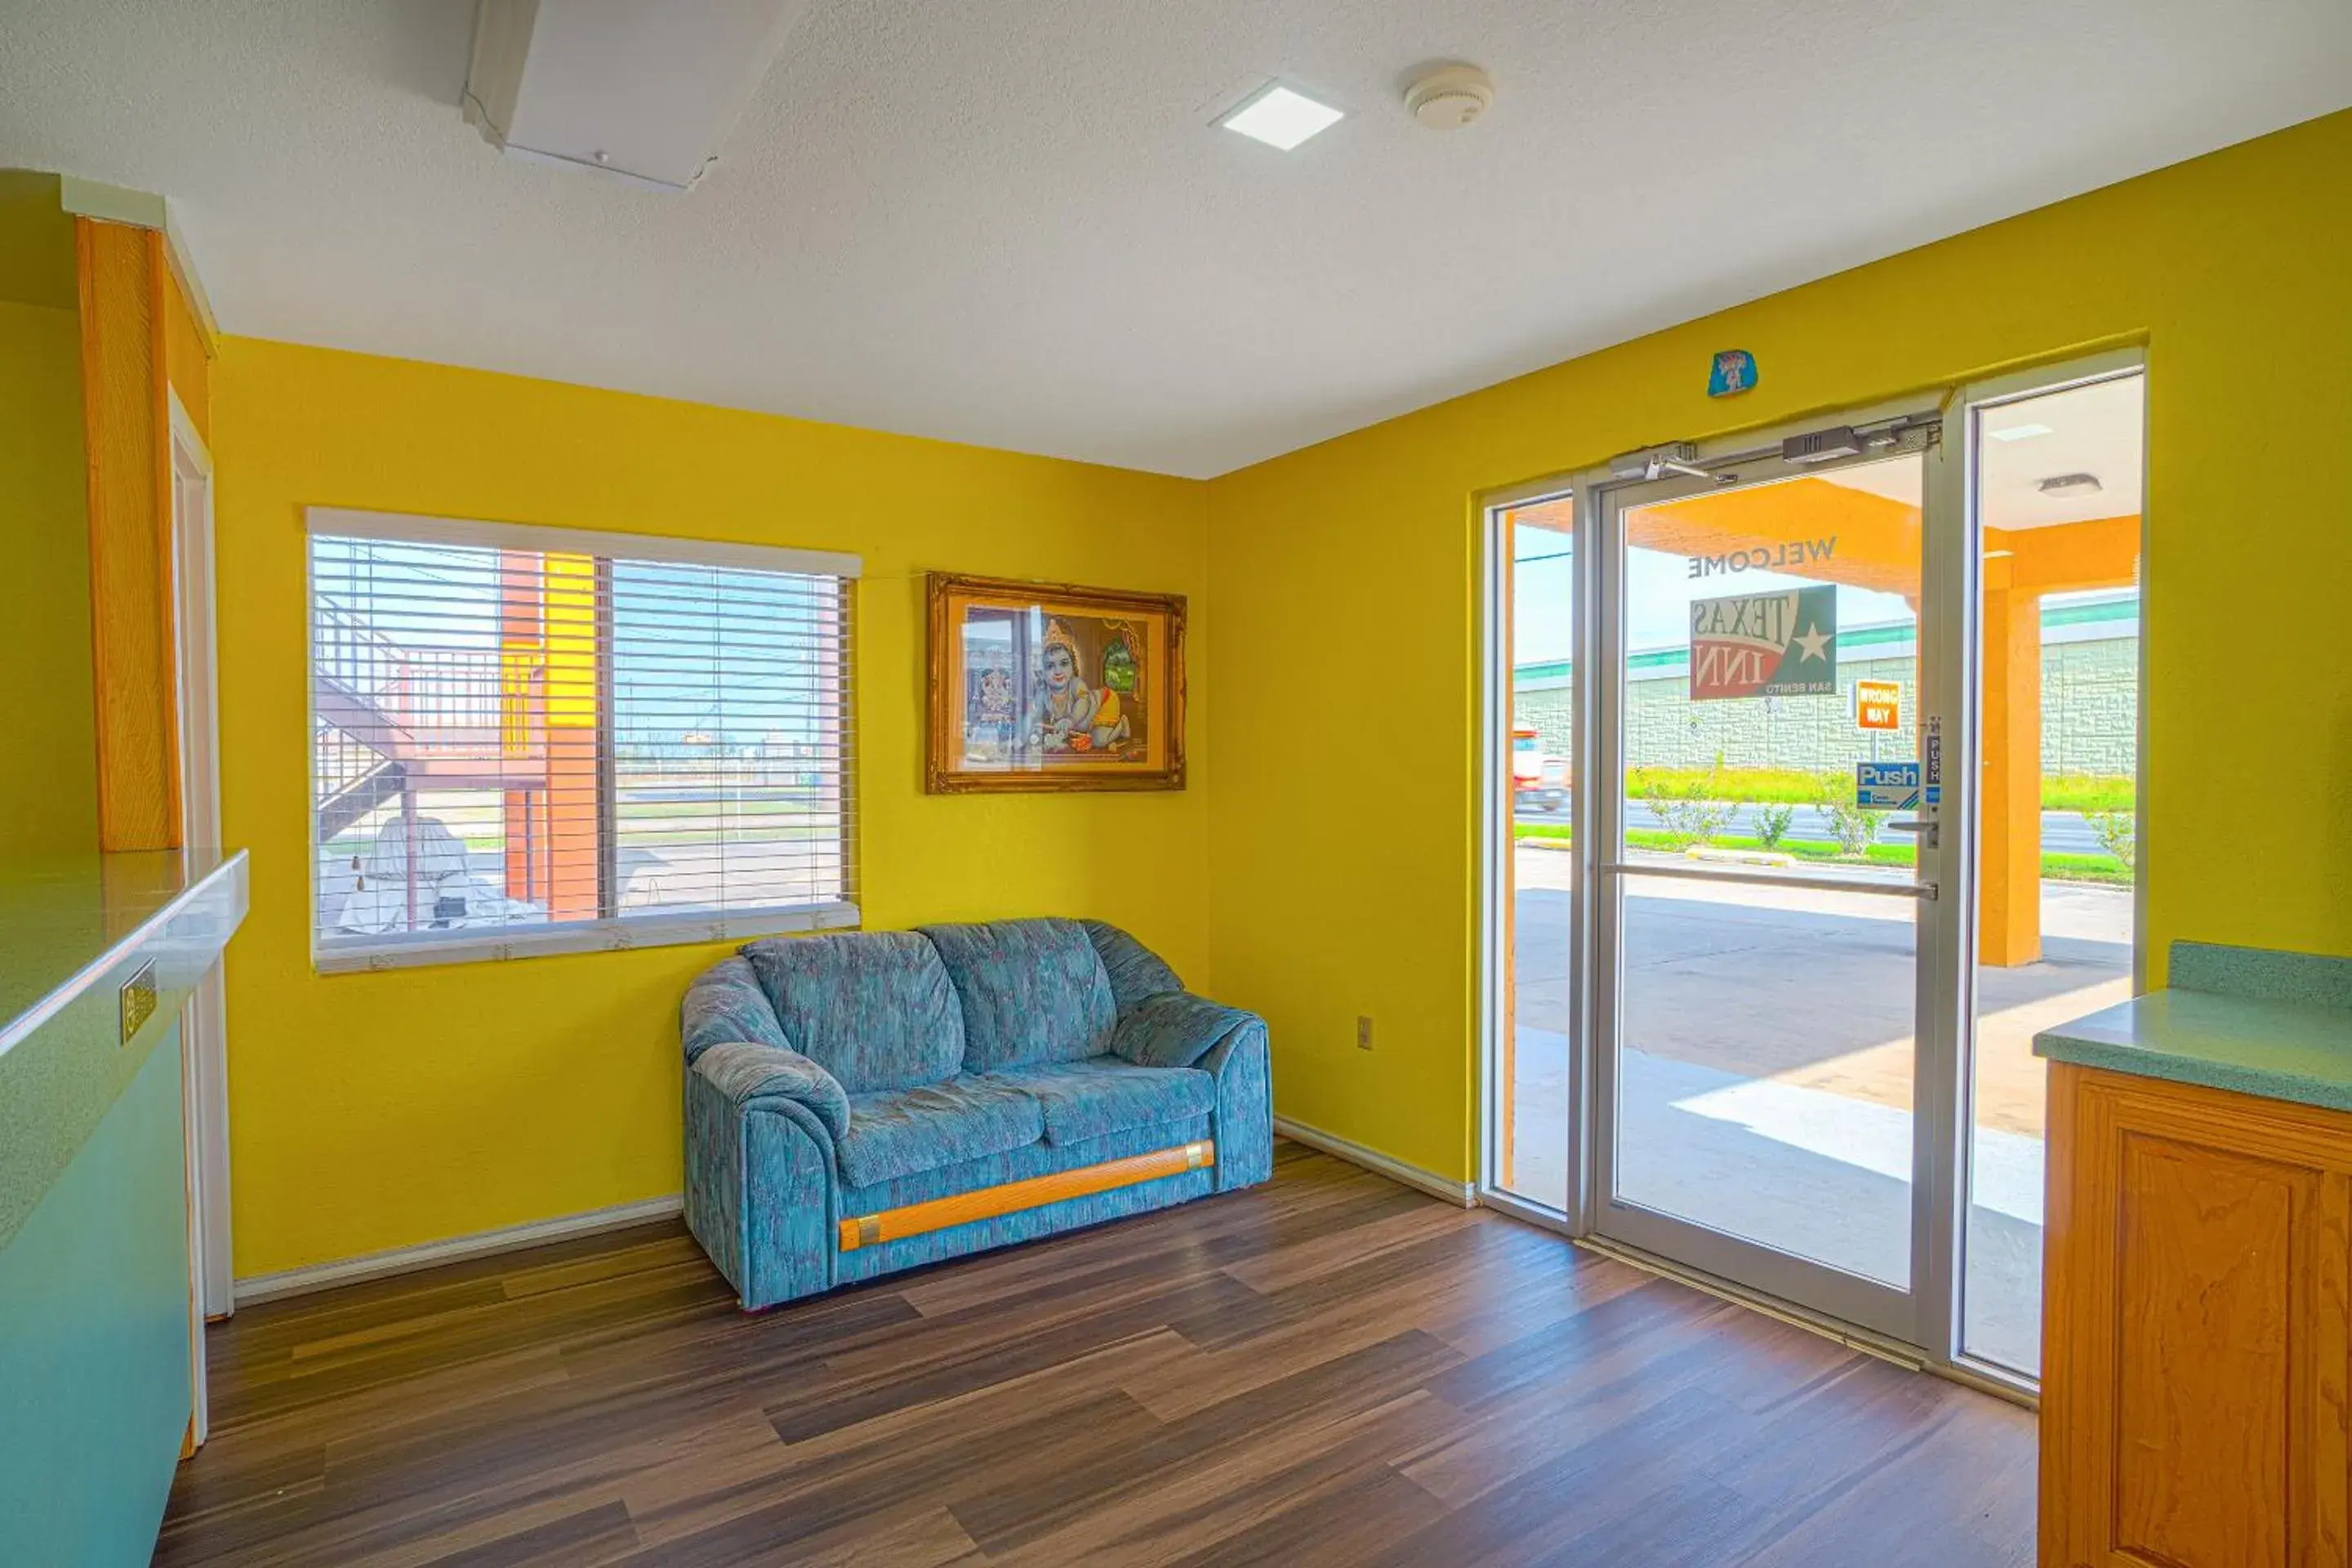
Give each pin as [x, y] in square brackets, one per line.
[613, 934]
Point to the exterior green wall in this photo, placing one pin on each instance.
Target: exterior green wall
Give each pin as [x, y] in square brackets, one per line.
[2090, 715]
[2090, 706]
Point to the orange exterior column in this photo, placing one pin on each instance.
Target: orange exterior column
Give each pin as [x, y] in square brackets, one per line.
[574, 853]
[523, 720]
[2009, 857]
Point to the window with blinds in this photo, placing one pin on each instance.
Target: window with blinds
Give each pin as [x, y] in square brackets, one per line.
[531, 739]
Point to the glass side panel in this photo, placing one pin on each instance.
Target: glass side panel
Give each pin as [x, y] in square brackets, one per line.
[1765, 1053]
[2059, 711]
[1531, 1151]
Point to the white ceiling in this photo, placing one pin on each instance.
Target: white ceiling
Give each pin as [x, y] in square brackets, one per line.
[1012, 223]
[2098, 429]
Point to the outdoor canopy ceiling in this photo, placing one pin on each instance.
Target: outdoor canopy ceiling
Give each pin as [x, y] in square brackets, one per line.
[1016, 224]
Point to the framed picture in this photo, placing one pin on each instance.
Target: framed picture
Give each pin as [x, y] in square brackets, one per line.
[1043, 686]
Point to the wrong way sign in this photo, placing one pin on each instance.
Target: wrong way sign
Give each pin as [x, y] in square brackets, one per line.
[1878, 705]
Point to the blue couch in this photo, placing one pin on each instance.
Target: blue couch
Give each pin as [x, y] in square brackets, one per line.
[864, 1103]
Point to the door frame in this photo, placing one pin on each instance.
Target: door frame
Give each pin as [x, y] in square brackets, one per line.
[1897, 1313]
[1950, 645]
[1964, 415]
[204, 1031]
[1495, 880]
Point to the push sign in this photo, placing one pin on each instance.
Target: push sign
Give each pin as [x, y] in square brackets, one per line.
[1886, 786]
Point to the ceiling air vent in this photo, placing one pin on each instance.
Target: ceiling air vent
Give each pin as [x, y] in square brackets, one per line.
[646, 92]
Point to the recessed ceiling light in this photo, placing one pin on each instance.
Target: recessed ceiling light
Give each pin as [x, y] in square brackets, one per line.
[2020, 432]
[2071, 485]
[1281, 118]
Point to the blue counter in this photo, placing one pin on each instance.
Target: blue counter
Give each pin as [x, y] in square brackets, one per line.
[95, 1351]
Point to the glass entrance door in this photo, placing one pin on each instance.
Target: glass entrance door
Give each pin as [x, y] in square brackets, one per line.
[1767, 871]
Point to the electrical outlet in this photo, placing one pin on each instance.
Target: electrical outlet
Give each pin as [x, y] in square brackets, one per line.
[136, 1000]
[1363, 1032]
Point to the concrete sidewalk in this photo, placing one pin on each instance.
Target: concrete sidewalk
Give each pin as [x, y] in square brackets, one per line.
[1768, 1064]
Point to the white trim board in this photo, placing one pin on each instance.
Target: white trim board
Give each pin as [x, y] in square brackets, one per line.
[143, 209]
[111, 204]
[1461, 1192]
[404, 528]
[408, 1260]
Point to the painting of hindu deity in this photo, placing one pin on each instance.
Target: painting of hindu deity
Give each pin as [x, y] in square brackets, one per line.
[1047, 687]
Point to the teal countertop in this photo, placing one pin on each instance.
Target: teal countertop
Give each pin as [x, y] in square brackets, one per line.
[2277, 1025]
[64, 924]
[76, 937]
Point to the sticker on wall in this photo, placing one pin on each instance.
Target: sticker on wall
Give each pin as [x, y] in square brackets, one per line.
[1765, 644]
[1878, 705]
[1886, 786]
[1733, 372]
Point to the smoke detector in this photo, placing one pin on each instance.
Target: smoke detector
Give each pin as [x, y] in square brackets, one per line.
[1448, 97]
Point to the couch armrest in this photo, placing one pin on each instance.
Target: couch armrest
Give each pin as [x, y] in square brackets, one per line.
[1176, 1029]
[759, 1178]
[726, 1003]
[746, 1071]
[1245, 1124]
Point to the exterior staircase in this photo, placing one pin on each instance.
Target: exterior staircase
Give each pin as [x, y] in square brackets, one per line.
[392, 720]
[338, 811]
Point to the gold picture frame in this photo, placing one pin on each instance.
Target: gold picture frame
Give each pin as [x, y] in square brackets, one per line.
[1049, 686]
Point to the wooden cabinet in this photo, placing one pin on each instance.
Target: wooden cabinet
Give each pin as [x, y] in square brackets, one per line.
[2197, 1355]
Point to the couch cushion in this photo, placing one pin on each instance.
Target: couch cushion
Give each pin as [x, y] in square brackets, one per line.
[897, 1132]
[1033, 990]
[874, 1008]
[1102, 1095]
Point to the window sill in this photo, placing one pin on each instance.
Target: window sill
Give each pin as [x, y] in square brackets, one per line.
[682, 930]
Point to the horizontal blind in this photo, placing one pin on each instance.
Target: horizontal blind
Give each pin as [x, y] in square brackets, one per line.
[520, 747]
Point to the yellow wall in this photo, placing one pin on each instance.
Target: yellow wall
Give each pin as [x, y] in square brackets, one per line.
[48, 778]
[371, 1112]
[1341, 829]
[48, 775]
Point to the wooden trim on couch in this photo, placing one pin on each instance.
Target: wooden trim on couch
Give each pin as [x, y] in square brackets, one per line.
[1012, 1197]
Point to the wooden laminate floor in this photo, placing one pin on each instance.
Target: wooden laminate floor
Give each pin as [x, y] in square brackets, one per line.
[1329, 1369]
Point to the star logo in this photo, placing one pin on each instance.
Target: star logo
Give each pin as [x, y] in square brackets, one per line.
[1814, 641]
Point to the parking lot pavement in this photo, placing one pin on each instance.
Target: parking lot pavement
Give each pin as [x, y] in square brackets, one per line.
[1815, 987]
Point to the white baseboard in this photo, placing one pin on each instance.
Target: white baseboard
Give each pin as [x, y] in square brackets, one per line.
[1429, 1181]
[259, 1287]
[408, 1260]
